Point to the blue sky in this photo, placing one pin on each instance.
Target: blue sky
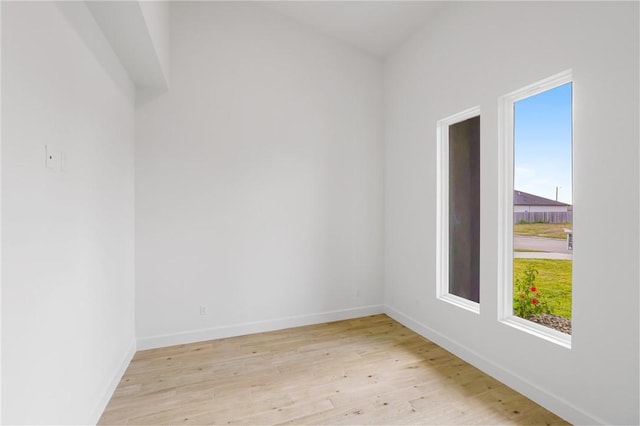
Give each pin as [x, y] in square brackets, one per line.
[542, 137]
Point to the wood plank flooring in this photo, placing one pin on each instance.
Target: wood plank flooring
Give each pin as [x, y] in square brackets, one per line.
[368, 370]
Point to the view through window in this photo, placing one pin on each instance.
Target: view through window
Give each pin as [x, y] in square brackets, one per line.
[543, 208]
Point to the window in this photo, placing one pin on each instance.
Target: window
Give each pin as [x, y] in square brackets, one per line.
[536, 209]
[459, 210]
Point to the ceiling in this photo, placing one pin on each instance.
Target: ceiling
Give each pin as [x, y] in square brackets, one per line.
[374, 26]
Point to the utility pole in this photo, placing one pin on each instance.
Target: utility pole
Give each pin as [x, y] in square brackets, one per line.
[557, 192]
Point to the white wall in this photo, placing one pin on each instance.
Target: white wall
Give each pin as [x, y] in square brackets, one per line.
[470, 56]
[138, 33]
[157, 18]
[67, 241]
[0, 214]
[258, 179]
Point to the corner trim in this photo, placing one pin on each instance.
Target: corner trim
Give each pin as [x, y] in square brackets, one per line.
[546, 399]
[232, 330]
[113, 384]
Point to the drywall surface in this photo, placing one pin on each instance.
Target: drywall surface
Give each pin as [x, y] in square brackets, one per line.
[67, 241]
[138, 34]
[0, 214]
[473, 54]
[157, 19]
[258, 178]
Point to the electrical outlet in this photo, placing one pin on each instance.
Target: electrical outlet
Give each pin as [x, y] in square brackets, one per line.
[203, 310]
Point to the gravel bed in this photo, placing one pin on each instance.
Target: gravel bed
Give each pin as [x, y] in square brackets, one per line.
[553, 321]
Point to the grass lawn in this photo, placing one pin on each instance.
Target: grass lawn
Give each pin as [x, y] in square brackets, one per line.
[553, 281]
[547, 230]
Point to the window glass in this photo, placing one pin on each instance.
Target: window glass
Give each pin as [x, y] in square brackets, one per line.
[464, 209]
[543, 208]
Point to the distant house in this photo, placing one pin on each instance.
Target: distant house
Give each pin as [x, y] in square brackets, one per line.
[525, 202]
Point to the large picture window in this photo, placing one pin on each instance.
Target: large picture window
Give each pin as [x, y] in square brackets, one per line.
[537, 208]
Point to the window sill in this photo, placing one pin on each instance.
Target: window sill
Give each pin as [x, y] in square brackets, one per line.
[546, 333]
[461, 302]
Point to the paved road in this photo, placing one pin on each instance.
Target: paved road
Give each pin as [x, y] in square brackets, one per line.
[548, 245]
[538, 255]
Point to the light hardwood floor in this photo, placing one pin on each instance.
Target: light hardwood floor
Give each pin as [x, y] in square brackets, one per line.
[368, 370]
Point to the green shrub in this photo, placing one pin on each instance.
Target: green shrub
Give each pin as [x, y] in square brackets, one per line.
[553, 281]
[527, 300]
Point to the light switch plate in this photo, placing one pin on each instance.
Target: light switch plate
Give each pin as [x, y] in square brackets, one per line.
[53, 160]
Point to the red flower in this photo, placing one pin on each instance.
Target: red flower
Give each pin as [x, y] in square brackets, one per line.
[534, 301]
[533, 289]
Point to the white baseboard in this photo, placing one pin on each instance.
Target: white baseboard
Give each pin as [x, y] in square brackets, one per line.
[255, 327]
[542, 397]
[108, 392]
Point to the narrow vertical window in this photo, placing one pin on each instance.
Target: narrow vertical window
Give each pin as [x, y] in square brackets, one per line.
[537, 208]
[459, 210]
[464, 209]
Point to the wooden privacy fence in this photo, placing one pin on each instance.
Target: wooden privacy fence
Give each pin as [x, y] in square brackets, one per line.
[546, 217]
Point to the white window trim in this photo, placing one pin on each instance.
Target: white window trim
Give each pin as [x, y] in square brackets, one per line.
[442, 215]
[505, 209]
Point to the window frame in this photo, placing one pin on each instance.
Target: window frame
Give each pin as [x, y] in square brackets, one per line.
[442, 208]
[506, 106]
